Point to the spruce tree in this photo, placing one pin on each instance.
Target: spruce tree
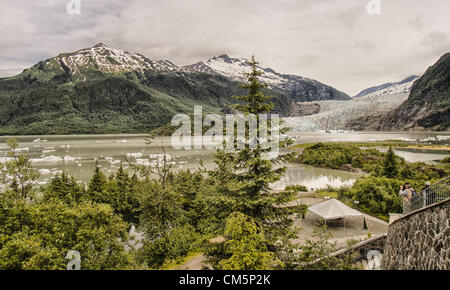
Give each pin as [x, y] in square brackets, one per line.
[243, 179]
[244, 241]
[390, 166]
[65, 188]
[120, 192]
[123, 180]
[97, 184]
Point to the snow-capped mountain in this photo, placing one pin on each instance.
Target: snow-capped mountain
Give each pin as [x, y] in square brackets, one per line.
[99, 58]
[403, 86]
[299, 88]
[234, 69]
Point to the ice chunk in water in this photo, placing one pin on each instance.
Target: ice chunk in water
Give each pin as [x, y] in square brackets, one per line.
[70, 158]
[44, 171]
[47, 159]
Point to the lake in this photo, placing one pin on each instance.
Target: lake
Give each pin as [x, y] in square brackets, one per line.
[76, 154]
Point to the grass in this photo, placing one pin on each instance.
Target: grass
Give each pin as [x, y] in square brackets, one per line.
[394, 143]
[323, 194]
[430, 147]
[385, 143]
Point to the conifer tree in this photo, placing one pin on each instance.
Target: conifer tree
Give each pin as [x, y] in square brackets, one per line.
[119, 191]
[244, 241]
[390, 166]
[243, 179]
[65, 188]
[134, 180]
[97, 183]
[122, 177]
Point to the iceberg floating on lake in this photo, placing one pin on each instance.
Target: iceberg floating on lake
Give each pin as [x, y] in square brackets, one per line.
[44, 171]
[5, 159]
[112, 162]
[135, 155]
[47, 159]
[22, 149]
[70, 158]
[441, 138]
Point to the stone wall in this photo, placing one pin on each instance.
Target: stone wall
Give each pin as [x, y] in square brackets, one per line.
[420, 240]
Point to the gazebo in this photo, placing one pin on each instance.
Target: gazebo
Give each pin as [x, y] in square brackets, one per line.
[333, 209]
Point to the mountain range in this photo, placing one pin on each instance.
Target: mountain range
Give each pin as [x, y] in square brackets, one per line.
[101, 90]
[106, 90]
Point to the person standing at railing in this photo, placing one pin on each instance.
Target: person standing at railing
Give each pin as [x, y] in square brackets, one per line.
[426, 193]
[407, 192]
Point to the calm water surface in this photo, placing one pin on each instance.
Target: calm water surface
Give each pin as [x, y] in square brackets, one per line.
[76, 154]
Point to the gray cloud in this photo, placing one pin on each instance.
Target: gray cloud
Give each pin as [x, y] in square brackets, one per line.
[333, 41]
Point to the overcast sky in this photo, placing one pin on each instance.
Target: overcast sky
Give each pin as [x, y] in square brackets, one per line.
[334, 41]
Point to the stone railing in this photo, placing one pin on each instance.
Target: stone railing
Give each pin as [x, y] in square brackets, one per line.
[419, 240]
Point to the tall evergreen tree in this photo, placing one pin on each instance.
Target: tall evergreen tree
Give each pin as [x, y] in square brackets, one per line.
[65, 188]
[248, 175]
[119, 191]
[123, 179]
[390, 166]
[97, 183]
[122, 194]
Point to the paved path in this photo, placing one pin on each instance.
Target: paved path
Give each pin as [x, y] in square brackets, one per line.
[374, 219]
[197, 262]
[342, 242]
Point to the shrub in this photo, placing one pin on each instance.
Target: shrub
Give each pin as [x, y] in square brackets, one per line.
[297, 187]
[377, 196]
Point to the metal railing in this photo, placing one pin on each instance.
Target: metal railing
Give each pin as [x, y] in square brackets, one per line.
[431, 195]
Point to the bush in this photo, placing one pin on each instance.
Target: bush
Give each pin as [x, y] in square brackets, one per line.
[175, 244]
[377, 196]
[297, 187]
[335, 156]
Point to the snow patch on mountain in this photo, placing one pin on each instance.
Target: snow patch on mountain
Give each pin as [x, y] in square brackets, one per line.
[403, 86]
[107, 60]
[299, 89]
[235, 68]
